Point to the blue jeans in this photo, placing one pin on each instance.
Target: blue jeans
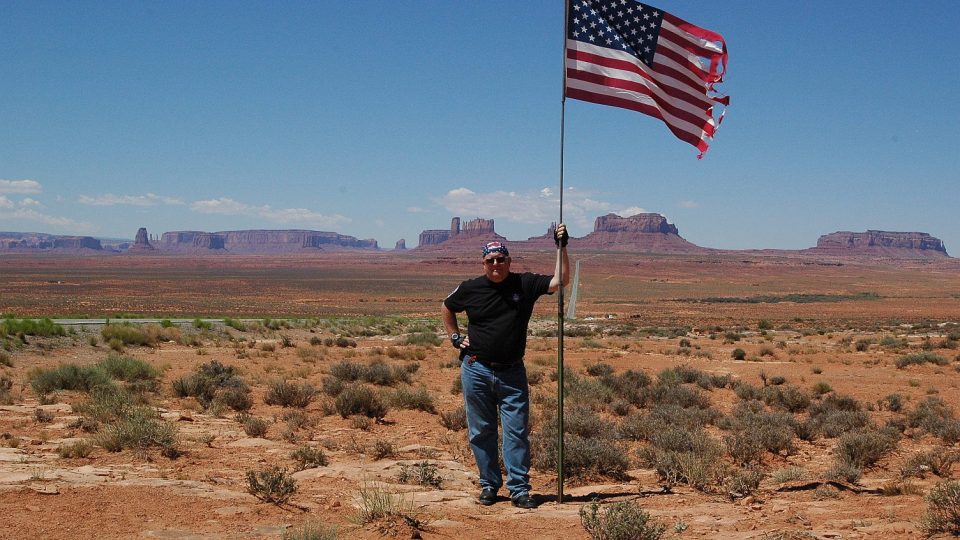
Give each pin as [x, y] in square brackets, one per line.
[484, 392]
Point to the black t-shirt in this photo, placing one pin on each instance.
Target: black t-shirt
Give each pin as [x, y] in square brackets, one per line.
[499, 314]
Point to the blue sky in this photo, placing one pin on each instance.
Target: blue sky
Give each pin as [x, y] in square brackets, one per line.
[381, 119]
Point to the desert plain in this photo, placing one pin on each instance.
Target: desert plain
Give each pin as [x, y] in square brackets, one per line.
[726, 395]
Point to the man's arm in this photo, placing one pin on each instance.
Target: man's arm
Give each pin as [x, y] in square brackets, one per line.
[449, 320]
[452, 327]
[562, 272]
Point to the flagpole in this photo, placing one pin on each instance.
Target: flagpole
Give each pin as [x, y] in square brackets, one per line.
[563, 105]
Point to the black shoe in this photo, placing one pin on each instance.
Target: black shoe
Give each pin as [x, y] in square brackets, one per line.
[487, 496]
[525, 501]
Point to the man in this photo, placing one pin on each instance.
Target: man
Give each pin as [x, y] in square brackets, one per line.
[499, 305]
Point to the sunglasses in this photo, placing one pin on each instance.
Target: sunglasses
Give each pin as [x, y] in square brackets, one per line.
[496, 260]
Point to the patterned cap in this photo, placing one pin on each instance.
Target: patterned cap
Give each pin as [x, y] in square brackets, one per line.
[495, 247]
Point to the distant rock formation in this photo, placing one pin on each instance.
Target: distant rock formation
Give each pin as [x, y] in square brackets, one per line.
[473, 229]
[649, 233]
[881, 243]
[77, 242]
[260, 241]
[401, 245]
[141, 243]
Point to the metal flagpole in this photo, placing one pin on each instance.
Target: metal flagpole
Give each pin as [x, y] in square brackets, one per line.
[563, 105]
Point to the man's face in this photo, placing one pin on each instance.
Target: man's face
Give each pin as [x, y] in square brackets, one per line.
[496, 266]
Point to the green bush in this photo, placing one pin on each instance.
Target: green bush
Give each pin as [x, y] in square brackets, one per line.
[10, 326]
[921, 358]
[201, 324]
[413, 399]
[68, 377]
[235, 324]
[424, 339]
[5, 359]
[290, 394]
[131, 370]
[274, 485]
[738, 354]
[620, 521]
[127, 334]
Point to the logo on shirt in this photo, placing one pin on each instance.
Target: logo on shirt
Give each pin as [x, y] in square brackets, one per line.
[516, 297]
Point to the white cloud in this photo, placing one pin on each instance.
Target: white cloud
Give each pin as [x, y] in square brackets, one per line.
[20, 186]
[688, 204]
[5, 202]
[109, 199]
[31, 202]
[534, 207]
[415, 210]
[29, 214]
[285, 216]
[632, 211]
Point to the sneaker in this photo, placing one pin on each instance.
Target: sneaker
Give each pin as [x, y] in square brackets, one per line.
[525, 501]
[487, 496]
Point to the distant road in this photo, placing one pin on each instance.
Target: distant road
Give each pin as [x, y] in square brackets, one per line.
[83, 322]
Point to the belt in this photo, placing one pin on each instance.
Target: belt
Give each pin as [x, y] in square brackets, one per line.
[496, 366]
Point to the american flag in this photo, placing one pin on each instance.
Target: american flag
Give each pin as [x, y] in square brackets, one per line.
[631, 55]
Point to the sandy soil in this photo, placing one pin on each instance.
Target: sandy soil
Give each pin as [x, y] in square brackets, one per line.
[203, 492]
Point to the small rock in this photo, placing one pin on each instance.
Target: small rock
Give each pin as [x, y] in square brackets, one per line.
[45, 489]
[32, 508]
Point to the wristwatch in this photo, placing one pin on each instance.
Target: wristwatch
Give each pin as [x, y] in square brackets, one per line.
[456, 339]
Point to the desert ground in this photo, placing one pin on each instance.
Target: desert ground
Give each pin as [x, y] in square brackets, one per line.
[726, 396]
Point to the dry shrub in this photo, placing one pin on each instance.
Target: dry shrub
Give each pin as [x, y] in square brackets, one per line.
[253, 426]
[413, 399]
[140, 430]
[290, 394]
[943, 508]
[620, 521]
[274, 485]
[308, 457]
[215, 381]
[455, 420]
[865, 447]
[360, 399]
[76, 449]
[421, 473]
